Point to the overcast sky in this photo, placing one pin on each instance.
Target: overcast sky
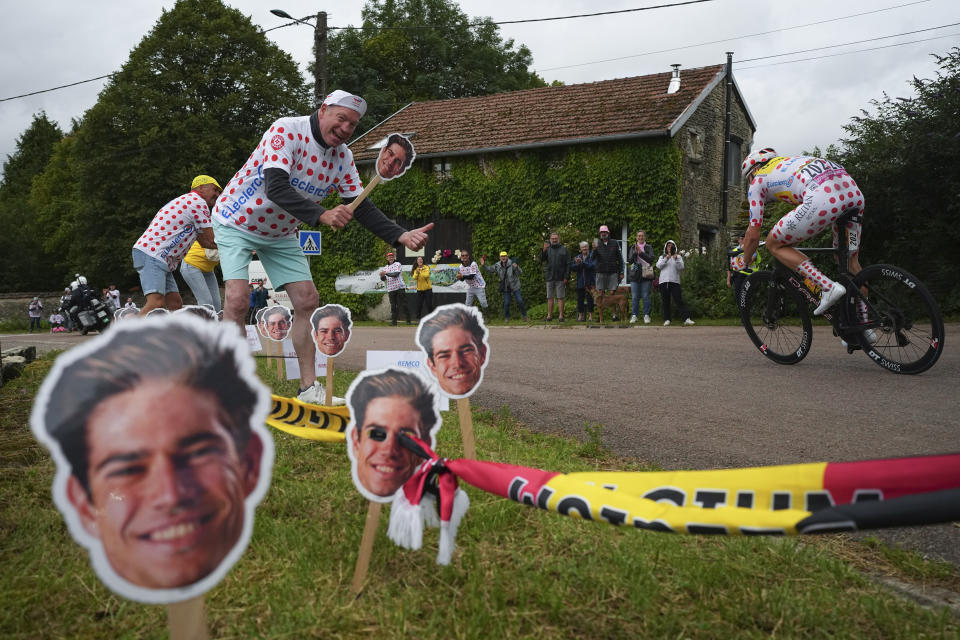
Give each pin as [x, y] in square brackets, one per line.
[796, 104]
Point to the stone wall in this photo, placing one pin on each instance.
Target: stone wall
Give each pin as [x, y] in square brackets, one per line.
[701, 141]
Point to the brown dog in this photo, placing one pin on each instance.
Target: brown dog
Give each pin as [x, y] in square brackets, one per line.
[615, 300]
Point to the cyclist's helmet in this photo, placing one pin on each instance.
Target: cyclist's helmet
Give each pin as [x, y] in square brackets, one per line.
[755, 160]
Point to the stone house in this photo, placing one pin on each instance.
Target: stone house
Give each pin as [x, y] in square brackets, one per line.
[687, 106]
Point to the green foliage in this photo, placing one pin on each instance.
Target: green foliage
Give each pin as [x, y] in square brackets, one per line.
[194, 97]
[22, 261]
[903, 157]
[514, 202]
[391, 64]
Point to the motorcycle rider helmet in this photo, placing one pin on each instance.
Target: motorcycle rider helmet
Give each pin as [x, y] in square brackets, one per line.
[755, 160]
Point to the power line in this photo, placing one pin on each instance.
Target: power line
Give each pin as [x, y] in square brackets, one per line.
[751, 35]
[473, 24]
[847, 44]
[63, 86]
[844, 53]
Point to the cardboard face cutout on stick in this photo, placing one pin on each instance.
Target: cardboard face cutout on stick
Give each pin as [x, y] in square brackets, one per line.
[157, 430]
[382, 405]
[274, 323]
[332, 326]
[396, 156]
[454, 341]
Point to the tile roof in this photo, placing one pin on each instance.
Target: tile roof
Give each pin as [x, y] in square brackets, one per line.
[549, 115]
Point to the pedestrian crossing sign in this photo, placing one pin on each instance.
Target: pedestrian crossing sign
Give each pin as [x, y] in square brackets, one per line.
[310, 243]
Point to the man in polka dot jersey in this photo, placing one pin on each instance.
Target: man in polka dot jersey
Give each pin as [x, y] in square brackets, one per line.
[822, 191]
[297, 164]
[158, 252]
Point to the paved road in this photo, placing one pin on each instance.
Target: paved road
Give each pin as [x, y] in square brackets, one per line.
[703, 397]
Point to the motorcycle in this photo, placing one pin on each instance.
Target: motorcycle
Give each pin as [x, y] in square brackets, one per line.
[85, 307]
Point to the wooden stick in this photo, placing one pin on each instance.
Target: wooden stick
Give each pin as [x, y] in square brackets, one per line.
[466, 429]
[279, 361]
[187, 620]
[366, 547]
[363, 194]
[328, 391]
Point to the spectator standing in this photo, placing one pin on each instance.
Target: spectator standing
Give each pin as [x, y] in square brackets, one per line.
[556, 273]
[584, 266]
[199, 272]
[114, 296]
[421, 275]
[509, 272]
[392, 274]
[34, 311]
[158, 252]
[670, 265]
[609, 262]
[261, 298]
[470, 273]
[641, 276]
[129, 304]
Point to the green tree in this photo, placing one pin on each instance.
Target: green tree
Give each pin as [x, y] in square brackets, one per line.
[22, 261]
[194, 97]
[413, 50]
[903, 158]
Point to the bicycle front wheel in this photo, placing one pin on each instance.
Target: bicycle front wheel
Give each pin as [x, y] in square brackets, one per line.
[776, 318]
[903, 329]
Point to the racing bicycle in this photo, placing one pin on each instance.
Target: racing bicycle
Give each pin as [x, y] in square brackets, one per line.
[886, 312]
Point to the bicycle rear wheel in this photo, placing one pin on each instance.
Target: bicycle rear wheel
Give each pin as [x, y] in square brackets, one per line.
[776, 318]
[904, 328]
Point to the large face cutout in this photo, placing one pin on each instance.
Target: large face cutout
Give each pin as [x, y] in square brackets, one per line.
[454, 340]
[396, 156]
[332, 326]
[384, 404]
[274, 323]
[158, 479]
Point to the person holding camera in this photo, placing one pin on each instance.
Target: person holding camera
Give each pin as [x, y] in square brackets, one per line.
[670, 265]
[641, 276]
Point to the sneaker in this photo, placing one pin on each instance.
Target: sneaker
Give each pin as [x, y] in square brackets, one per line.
[666, 323]
[689, 322]
[829, 298]
[646, 319]
[633, 319]
[316, 394]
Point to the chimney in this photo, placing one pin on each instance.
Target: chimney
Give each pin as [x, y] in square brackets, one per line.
[674, 85]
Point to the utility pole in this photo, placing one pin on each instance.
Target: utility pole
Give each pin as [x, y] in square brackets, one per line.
[320, 51]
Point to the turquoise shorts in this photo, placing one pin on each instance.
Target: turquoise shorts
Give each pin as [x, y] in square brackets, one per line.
[282, 258]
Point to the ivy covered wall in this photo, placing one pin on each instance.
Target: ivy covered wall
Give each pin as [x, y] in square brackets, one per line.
[513, 201]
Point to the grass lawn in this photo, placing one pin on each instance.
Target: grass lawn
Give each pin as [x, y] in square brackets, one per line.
[518, 572]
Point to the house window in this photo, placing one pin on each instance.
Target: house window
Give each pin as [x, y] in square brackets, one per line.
[734, 160]
[695, 145]
[441, 167]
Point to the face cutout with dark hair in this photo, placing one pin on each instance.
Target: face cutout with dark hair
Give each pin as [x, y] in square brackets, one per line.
[161, 452]
[274, 323]
[331, 327]
[396, 156]
[384, 404]
[454, 340]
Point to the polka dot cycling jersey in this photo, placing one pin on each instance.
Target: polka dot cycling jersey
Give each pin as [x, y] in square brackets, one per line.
[315, 172]
[821, 189]
[174, 228]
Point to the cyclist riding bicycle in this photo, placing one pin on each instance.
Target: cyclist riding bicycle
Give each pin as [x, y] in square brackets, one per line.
[822, 191]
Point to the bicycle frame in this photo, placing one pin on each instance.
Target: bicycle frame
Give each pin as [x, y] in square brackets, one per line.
[845, 324]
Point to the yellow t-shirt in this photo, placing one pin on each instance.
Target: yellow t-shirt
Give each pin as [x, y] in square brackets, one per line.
[422, 277]
[197, 257]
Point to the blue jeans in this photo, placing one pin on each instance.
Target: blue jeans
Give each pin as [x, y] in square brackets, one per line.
[641, 290]
[506, 304]
[203, 284]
